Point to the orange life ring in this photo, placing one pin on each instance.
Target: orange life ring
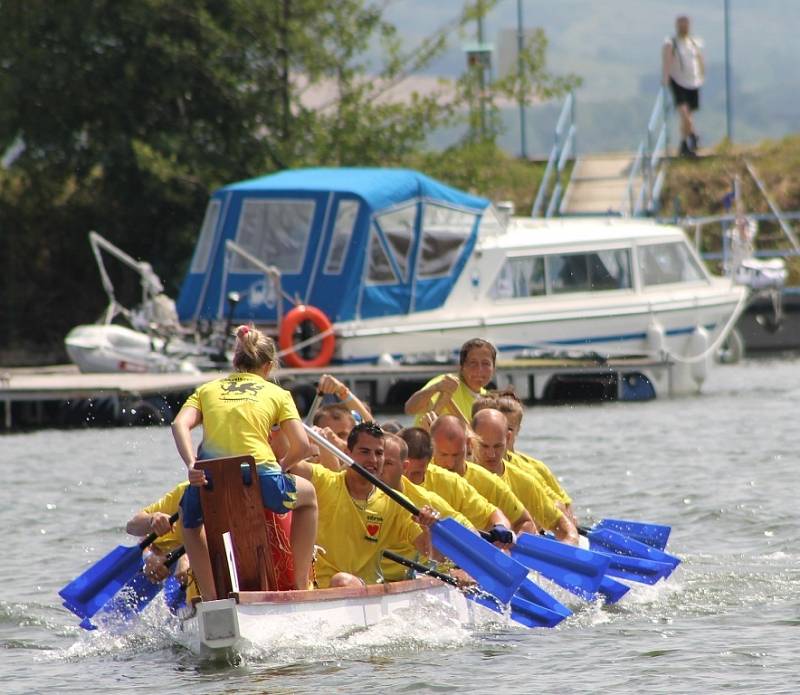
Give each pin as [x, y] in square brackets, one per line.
[290, 323]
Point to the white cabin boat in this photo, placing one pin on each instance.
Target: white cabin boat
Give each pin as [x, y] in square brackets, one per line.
[403, 268]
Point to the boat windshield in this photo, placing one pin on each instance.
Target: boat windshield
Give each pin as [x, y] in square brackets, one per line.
[661, 264]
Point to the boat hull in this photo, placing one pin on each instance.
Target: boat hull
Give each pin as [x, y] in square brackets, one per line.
[220, 629]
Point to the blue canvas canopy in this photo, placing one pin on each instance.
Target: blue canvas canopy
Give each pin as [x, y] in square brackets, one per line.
[355, 242]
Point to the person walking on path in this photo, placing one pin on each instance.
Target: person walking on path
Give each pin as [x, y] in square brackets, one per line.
[683, 71]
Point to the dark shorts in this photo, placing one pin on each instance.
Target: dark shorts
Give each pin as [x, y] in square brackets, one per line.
[278, 491]
[682, 95]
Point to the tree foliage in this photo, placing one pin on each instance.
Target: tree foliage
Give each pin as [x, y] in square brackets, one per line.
[130, 112]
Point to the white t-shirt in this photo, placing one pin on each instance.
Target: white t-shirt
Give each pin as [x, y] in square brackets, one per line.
[685, 66]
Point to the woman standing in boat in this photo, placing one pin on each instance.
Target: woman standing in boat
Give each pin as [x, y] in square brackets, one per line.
[237, 413]
[454, 394]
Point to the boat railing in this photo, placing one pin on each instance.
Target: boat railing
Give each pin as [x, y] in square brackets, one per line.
[561, 153]
[272, 274]
[648, 171]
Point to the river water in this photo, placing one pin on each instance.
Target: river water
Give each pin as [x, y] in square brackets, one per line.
[721, 468]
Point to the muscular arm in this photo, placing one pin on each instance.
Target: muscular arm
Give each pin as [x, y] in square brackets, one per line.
[524, 524]
[565, 531]
[498, 517]
[298, 445]
[142, 523]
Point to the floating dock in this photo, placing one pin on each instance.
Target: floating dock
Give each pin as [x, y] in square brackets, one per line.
[60, 396]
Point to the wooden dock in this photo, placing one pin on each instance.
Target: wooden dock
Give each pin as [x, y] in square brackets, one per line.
[62, 396]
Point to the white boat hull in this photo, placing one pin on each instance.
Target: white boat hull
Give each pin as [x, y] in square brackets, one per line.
[220, 629]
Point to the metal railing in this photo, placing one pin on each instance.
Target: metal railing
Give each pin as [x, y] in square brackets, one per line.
[646, 178]
[562, 151]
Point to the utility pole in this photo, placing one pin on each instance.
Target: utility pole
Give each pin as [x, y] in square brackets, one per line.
[482, 74]
[523, 141]
[728, 92]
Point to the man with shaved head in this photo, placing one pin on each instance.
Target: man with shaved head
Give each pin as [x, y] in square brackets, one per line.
[449, 437]
[489, 449]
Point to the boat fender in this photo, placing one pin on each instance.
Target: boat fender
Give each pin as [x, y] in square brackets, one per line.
[286, 340]
[698, 344]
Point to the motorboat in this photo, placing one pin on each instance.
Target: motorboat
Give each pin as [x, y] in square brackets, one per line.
[389, 265]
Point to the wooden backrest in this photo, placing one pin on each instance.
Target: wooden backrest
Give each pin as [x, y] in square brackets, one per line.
[230, 505]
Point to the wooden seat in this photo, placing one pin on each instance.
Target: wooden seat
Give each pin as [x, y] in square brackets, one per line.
[230, 505]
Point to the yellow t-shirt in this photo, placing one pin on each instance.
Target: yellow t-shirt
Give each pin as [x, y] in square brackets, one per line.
[459, 494]
[419, 497]
[238, 411]
[495, 490]
[352, 533]
[168, 505]
[463, 398]
[533, 495]
[530, 463]
[512, 460]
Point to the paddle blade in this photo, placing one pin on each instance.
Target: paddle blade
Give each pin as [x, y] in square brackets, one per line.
[606, 540]
[612, 590]
[575, 569]
[655, 535]
[523, 612]
[636, 569]
[89, 592]
[533, 615]
[532, 592]
[495, 572]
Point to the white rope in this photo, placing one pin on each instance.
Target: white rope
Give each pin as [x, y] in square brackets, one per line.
[720, 338]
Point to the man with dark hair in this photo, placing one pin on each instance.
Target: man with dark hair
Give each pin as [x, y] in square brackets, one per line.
[458, 493]
[683, 71]
[356, 520]
[453, 394]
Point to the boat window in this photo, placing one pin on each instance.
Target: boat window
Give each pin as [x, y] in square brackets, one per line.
[660, 264]
[568, 272]
[520, 277]
[490, 223]
[398, 229]
[610, 270]
[444, 233]
[346, 216]
[275, 231]
[206, 238]
[380, 270]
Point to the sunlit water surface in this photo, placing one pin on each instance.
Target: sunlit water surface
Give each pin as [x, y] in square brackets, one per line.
[721, 468]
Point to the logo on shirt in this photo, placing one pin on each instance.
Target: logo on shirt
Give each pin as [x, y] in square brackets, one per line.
[240, 390]
[373, 528]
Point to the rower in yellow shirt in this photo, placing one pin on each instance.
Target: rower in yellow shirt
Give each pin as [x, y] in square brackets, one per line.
[449, 438]
[154, 518]
[508, 404]
[453, 488]
[395, 460]
[489, 449]
[356, 520]
[454, 394]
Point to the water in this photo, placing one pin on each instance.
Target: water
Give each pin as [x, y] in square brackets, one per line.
[721, 468]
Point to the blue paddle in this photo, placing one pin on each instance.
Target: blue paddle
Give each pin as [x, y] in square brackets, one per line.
[612, 590]
[89, 592]
[655, 535]
[524, 612]
[576, 569]
[135, 596]
[636, 569]
[606, 540]
[532, 592]
[495, 572]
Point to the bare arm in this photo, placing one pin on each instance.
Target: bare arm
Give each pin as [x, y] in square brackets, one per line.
[298, 448]
[524, 524]
[142, 523]
[565, 531]
[421, 400]
[185, 421]
[498, 517]
[330, 384]
[666, 63]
